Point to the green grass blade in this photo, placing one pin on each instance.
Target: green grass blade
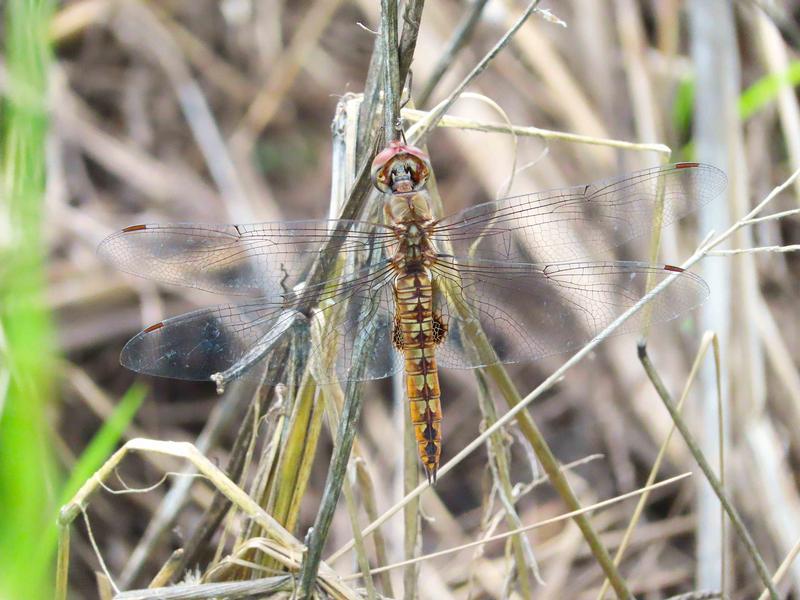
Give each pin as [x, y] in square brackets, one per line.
[765, 90]
[756, 97]
[104, 442]
[100, 448]
[26, 331]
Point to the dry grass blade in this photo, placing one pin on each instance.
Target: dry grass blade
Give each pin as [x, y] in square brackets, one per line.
[499, 460]
[423, 129]
[782, 569]
[519, 530]
[716, 484]
[293, 549]
[709, 340]
[421, 116]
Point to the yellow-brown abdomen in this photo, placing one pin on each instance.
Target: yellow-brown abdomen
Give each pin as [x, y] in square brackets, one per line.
[417, 338]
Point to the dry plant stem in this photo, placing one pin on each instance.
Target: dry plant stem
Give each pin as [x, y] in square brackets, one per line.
[497, 451]
[412, 17]
[361, 552]
[694, 448]
[783, 568]
[437, 113]
[709, 243]
[62, 563]
[331, 411]
[774, 216]
[285, 545]
[295, 442]
[229, 590]
[368, 499]
[345, 434]
[709, 339]
[460, 37]
[220, 505]
[391, 70]
[413, 115]
[367, 113]
[161, 578]
[757, 250]
[539, 524]
[184, 450]
[551, 466]
[175, 499]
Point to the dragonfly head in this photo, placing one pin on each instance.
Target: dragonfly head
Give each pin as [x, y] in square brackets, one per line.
[400, 168]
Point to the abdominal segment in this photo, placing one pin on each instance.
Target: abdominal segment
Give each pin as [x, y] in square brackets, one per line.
[416, 338]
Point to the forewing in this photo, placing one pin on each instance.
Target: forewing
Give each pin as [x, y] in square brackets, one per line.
[582, 221]
[527, 311]
[239, 337]
[261, 259]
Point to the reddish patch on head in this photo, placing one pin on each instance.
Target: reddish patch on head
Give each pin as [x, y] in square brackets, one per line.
[687, 165]
[394, 148]
[154, 327]
[134, 228]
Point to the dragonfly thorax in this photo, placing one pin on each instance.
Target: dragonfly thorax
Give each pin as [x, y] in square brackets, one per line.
[413, 207]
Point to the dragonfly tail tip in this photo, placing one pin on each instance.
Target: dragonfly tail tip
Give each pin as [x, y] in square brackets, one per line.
[431, 472]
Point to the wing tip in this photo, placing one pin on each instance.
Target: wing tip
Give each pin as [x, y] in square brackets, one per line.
[107, 245]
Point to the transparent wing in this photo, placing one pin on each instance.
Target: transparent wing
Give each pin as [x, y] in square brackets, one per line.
[233, 338]
[581, 221]
[261, 259]
[527, 311]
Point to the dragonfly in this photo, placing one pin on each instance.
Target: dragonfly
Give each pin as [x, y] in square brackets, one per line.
[507, 281]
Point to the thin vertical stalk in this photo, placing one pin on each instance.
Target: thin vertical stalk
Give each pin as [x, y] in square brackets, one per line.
[713, 480]
[709, 339]
[370, 507]
[391, 65]
[716, 134]
[498, 454]
[551, 466]
[345, 435]
[62, 562]
[412, 17]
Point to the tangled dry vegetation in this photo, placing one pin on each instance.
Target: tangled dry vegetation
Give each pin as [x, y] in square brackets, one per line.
[221, 111]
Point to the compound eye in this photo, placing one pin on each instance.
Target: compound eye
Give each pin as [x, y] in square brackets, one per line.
[380, 179]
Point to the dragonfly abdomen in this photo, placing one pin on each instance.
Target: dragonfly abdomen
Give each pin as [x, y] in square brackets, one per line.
[416, 337]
